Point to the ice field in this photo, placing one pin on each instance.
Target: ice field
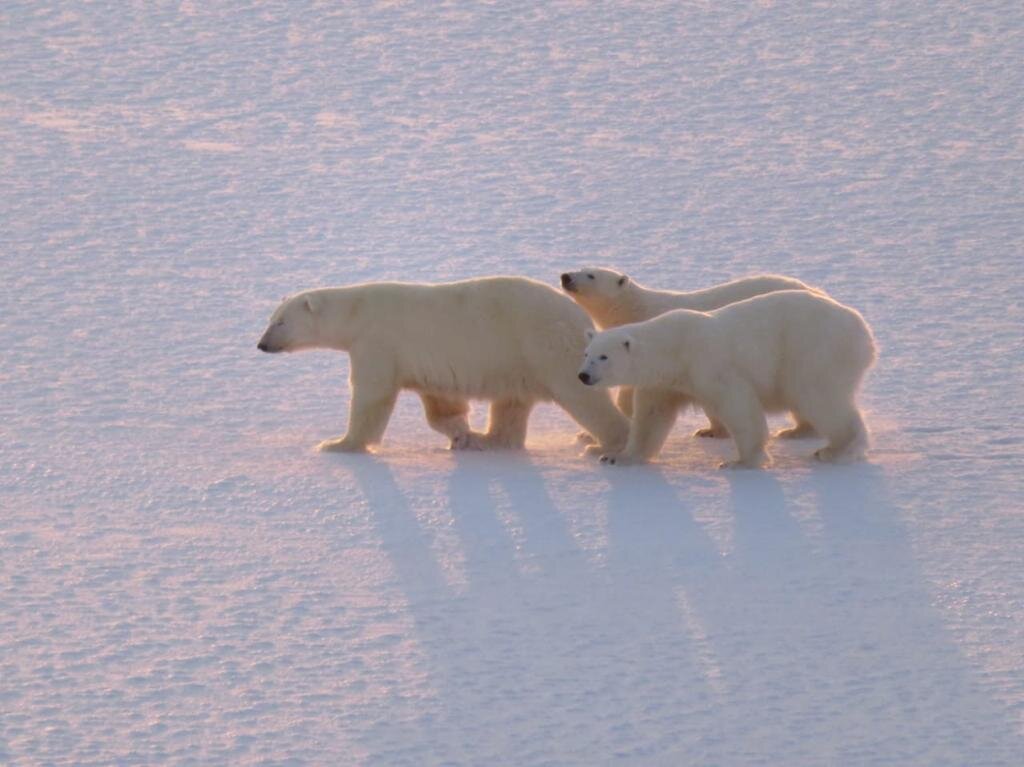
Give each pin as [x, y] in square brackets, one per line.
[184, 580]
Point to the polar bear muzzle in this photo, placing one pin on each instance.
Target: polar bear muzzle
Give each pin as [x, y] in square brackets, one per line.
[271, 341]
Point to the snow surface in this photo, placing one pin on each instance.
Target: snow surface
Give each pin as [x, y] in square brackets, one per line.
[184, 581]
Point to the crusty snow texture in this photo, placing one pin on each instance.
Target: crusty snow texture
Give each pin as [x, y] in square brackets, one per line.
[184, 580]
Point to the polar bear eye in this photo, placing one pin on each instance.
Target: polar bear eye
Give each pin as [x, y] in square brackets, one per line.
[590, 276]
[603, 357]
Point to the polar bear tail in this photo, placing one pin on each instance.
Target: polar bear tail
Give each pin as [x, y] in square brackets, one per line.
[864, 349]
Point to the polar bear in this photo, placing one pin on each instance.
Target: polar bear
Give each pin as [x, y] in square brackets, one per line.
[790, 350]
[612, 299]
[510, 340]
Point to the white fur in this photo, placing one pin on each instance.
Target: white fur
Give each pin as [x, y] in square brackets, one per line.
[612, 298]
[510, 340]
[789, 350]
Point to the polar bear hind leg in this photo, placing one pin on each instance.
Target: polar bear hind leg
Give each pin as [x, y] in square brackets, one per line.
[737, 407]
[846, 434]
[506, 424]
[800, 430]
[585, 438]
[506, 428]
[715, 429]
[448, 415]
[834, 416]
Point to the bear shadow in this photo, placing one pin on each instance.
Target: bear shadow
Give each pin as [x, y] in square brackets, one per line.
[537, 618]
[810, 607]
[820, 610]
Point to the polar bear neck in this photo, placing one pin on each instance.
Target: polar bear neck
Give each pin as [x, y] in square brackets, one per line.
[337, 317]
[626, 307]
[648, 303]
[664, 348]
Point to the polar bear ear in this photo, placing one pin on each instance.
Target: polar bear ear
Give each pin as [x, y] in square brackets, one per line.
[312, 304]
[623, 281]
[589, 333]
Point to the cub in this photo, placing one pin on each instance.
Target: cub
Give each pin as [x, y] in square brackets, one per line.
[789, 350]
[612, 298]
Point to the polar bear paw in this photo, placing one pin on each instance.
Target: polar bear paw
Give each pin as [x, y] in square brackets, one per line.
[620, 459]
[469, 440]
[585, 438]
[800, 431]
[757, 462]
[845, 455]
[341, 445]
[712, 432]
[736, 465]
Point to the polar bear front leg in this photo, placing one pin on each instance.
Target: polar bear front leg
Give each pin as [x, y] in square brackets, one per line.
[506, 424]
[654, 414]
[593, 409]
[448, 415]
[624, 400]
[372, 404]
[736, 406]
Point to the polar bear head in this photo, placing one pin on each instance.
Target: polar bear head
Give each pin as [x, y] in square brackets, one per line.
[598, 291]
[608, 360]
[294, 325]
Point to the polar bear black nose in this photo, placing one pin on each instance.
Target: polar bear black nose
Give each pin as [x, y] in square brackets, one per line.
[262, 346]
[566, 280]
[585, 377]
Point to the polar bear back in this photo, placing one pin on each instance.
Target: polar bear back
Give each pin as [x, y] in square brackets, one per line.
[487, 337]
[785, 344]
[785, 341]
[612, 299]
[659, 301]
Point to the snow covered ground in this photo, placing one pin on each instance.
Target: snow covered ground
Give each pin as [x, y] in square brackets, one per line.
[184, 581]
